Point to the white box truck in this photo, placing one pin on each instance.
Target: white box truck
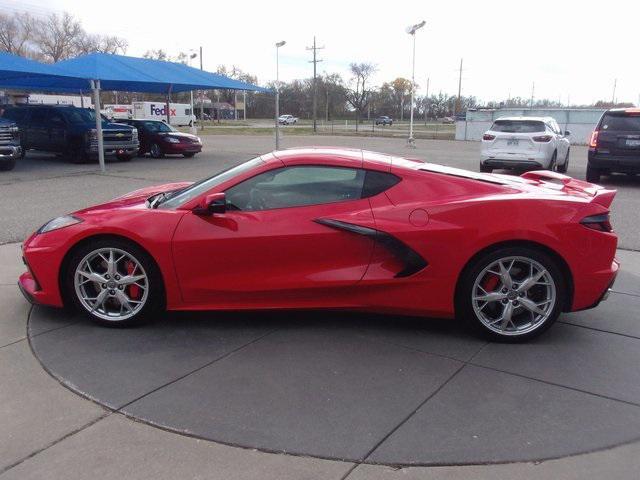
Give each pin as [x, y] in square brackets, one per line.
[180, 114]
[115, 112]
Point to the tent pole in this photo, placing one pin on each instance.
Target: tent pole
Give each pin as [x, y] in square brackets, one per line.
[95, 85]
[167, 106]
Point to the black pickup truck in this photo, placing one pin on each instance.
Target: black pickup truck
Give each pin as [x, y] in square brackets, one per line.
[71, 131]
[10, 149]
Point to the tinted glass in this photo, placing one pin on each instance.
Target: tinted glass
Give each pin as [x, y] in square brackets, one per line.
[296, 187]
[621, 122]
[377, 182]
[154, 127]
[39, 115]
[203, 186]
[518, 126]
[17, 114]
[80, 115]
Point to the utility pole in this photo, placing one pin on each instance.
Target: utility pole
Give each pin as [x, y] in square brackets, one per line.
[201, 98]
[533, 89]
[613, 95]
[315, 82]
[457, 105]
[426, 102]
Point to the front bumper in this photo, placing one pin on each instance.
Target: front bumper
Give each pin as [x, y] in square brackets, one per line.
[179, 148]
[130, 149]
[10, 151]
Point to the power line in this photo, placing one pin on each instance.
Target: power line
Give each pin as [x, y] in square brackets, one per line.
[315, 62]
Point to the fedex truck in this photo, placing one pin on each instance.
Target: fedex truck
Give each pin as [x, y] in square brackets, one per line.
[179, 113]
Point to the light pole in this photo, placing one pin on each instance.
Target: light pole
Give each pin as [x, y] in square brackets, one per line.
[278, 45]
[192, 127]
[411, 30]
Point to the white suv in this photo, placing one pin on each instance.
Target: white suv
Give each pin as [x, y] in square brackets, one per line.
[287, 120]
[525, 143]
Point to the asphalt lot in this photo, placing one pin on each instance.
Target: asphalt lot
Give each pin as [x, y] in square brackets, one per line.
[44, 186]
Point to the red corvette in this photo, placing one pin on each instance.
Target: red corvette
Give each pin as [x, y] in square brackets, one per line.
[336, 228]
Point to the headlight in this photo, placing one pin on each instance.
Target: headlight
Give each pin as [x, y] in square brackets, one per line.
[59, 222]
[171, 140]
[199, 139]
[14, 129]
[134, 134]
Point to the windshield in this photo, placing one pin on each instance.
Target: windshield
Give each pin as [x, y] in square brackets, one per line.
[202, 186]
[80, 115]
[157, 127]
[518, 126]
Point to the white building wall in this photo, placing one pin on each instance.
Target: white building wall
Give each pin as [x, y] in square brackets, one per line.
[580, 122]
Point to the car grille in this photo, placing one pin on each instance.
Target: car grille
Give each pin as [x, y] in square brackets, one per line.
[116, 136]
[6, 136]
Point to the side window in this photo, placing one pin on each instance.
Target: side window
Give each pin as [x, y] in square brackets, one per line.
[56, 119]
[377, 182]
[39, 116]
[296, 187]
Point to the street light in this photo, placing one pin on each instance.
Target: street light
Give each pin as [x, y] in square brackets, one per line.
[278, 45]
[192, 128]
[411, 30]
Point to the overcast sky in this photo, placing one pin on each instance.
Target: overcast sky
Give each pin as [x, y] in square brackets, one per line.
[568, 48]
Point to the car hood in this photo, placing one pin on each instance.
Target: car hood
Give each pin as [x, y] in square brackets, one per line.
[137, 197]
[177, 134]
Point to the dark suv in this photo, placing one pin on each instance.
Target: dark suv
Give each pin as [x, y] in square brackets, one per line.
[615, 144]
[71, 131]
[384, 120]
[10, 149]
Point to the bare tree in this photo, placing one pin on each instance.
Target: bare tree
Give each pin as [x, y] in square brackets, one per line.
[57, 37]
[88, 43]
[358, 97]
[16, 32]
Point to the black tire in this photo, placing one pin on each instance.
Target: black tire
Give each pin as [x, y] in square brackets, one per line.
[593, 174]
[7, 164]
[485, 169]
[565, 166]
[124, 158]
[188, 155]
[553, 166]
[155, 300]
[156, 150]
[464, 303]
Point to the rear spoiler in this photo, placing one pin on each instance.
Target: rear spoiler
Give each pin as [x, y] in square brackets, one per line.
[601, 195]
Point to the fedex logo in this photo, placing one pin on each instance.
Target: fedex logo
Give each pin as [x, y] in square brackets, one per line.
[162, 111]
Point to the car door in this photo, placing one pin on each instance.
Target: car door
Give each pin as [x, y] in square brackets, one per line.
[270, 248]
[57, 129]
[37, 130]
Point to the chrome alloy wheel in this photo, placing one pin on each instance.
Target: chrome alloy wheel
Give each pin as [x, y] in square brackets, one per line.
[111, 284]
[513, 295]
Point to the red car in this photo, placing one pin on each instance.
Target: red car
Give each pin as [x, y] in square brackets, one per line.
[335, 228]
[159, 139]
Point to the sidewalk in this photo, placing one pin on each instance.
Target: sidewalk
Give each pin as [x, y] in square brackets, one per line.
[50, 432]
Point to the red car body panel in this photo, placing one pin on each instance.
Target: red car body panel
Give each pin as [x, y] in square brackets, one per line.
[288, 258]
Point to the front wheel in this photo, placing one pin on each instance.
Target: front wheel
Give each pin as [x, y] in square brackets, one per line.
[7, 164]
[156, 151]
[114, 282]
[188, 154]
[565, 166]
[512, 294]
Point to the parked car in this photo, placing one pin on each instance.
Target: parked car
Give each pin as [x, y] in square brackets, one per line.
[71, 131]
[615, 144]
[10, 148]
[158, 139]
[287, 120]
[384, 120]
[525, 143]
[448, 120]
[295, 229]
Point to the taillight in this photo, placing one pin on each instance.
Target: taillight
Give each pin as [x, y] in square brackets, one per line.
[542, 138]
[488, 137]
[600, 222]
[593, 143]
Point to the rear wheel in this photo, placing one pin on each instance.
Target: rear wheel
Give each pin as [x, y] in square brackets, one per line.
[593, 174]
[565, 166]
[553, 165]
[512, 294]
[188, 154]
[156, 151]
[114, 282]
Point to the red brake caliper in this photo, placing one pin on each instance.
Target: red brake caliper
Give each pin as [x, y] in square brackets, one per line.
[491, 283]
[134, 290]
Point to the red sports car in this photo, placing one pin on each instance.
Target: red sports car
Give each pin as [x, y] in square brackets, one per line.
[336, 228]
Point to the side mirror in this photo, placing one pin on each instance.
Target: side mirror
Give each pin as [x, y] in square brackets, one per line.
[216, 203]
[567, 133]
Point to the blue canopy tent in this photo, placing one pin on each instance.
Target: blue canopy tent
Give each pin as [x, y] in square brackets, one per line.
[112, 72]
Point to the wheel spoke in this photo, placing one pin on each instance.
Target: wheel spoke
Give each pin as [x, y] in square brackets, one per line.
[129, 279]
[505, 276]
[531, 281]
[102, 296]
[533, 306]
[507, 313]
[124, 300]
[91, 277]
[490, 297]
